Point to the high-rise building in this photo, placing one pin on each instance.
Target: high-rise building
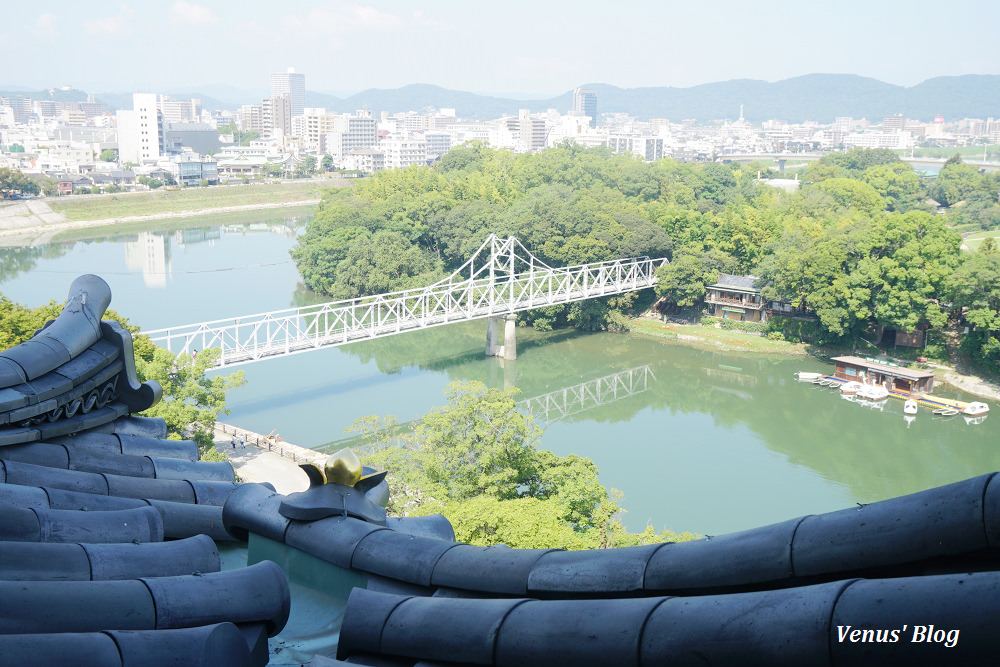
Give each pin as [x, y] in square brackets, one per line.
[276, 115]
[141, 131]
[893, 123]
[585, 104]
[531, 131]
[180, 111]
[292, 83]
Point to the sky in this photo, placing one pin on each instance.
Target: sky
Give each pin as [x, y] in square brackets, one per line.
[532, 47]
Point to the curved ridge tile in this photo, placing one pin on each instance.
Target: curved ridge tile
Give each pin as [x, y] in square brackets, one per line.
[255, 593]
[499, 570]
[578, 632]
[159, 559]
[216, 645]
[75, 329]
[454, 630]
[28, 607]
[142, 524]
[254, 508]
[783, 627]
[92, 649]
[599, 571]
[333, 539]
[365, 616]
[39, 561]
[969, 603]
[940, 521]
[406, 558]
[735, 559]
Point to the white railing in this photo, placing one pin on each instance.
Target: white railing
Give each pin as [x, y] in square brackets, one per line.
[508, 280]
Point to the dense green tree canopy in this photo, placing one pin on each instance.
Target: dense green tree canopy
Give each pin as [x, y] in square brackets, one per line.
[476, 461]
[13, 182]
[857, 244]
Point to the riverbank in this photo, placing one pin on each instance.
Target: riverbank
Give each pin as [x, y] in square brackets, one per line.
[21, 232]
[39, 221]
[710, 338]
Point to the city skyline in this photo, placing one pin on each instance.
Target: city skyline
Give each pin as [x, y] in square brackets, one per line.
[537, 50]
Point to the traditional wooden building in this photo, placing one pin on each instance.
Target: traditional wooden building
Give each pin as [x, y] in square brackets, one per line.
[736, 298]
[891, 376]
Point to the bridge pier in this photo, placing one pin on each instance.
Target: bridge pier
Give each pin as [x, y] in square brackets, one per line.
[509, 348]
[780, 162]
[492, 342]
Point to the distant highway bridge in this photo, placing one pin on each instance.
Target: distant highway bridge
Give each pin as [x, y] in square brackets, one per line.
[782, 158]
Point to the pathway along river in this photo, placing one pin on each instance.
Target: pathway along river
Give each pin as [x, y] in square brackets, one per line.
[708, 442]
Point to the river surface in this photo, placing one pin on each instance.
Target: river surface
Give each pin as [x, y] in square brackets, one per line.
[696, 440]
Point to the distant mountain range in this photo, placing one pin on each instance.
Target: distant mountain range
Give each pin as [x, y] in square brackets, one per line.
[818, 97]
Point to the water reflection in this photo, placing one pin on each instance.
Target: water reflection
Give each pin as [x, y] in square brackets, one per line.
[149, 252]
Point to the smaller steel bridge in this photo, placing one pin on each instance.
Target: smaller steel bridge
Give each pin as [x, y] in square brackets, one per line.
[501, 278]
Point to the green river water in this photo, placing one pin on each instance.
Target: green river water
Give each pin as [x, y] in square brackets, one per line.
[696, 440]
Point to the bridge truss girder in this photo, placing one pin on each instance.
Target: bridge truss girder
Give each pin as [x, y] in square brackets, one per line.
[502, 277]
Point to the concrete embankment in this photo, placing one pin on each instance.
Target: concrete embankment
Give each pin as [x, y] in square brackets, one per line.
[34, 223]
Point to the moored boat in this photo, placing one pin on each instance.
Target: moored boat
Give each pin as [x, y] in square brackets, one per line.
[975, 409]
[851, 387]
[808, 376]
[873, 392]
[910, 407]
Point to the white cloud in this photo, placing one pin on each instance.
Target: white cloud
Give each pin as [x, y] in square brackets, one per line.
[46, 25]
[111, 26]
[185, 13]
[423, 21]
[337, 18]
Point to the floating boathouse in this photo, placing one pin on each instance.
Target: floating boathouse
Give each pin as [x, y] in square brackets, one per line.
[894, 378]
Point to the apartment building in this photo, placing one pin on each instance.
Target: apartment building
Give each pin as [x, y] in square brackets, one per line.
[404, 151]
[348, 132]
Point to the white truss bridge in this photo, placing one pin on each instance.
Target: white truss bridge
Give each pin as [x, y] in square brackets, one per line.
[501, 278]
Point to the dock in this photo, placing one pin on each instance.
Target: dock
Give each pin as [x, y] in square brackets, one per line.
[926, 400]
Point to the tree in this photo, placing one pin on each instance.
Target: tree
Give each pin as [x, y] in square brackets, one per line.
[109, 155]
[897, 184]
[850, 193]
[975, 288]
[243, 138]
[384, 262]
[13, 182]
[327, 162]
[306, 168]
[151, 183]
[955, 182]
[476, 461]
[272, 170]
